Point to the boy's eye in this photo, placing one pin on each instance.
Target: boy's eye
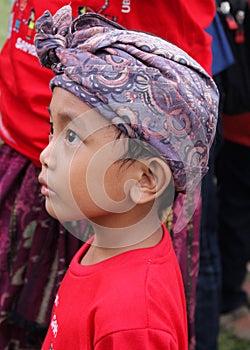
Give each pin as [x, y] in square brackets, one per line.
[72, 137]
[51, 128]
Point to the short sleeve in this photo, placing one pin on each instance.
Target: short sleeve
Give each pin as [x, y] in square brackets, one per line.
[146, 339]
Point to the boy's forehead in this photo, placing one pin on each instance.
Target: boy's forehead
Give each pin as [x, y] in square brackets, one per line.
[67, 107]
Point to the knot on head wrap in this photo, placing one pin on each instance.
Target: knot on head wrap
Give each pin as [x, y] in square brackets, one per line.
[147, 86]
[55, 31]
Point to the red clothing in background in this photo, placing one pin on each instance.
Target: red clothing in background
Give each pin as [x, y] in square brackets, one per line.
[236, 128]
[134, 300]
[25, 94]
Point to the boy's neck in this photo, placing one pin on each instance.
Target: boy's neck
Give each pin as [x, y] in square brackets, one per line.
[116, 234]
[124, 230]
[96, 253]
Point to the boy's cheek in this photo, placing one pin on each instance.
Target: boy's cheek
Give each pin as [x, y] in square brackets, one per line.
[114, 184]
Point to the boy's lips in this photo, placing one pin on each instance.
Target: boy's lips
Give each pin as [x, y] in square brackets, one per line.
[45, 190]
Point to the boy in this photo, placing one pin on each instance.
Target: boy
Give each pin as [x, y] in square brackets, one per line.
[129, 112]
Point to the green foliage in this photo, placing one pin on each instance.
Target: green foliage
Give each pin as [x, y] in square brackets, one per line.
[228, 342]
[5, 6]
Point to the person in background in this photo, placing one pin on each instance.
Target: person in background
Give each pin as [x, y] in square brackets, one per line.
[233, 171]
[32, 260]
[208, 292]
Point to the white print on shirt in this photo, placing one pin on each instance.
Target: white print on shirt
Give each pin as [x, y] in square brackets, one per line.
[54, 326]
[126, 6]
[26, 47]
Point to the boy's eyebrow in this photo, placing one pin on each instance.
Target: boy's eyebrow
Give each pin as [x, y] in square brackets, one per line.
[64, 115]
[89, 124]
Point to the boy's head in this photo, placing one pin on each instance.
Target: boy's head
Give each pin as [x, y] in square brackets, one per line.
[152, 91]
[92, 169]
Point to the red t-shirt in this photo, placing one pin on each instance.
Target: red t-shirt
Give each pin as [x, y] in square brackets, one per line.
[24, 85]
[134, 300]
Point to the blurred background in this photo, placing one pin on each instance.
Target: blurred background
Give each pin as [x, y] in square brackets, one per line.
[5, 6]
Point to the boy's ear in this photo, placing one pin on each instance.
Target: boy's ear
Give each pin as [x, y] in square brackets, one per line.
[154, 178]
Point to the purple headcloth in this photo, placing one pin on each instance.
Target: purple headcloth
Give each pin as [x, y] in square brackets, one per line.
[147, 86]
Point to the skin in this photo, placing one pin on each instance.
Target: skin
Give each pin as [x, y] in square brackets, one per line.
[82, 177]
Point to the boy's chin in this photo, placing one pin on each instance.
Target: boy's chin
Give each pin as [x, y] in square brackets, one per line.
[50, 210]
[63, 215]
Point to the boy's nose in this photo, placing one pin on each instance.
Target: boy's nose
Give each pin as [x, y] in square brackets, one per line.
[45, 156]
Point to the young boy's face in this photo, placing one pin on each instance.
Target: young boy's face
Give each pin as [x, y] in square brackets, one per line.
[80, 175]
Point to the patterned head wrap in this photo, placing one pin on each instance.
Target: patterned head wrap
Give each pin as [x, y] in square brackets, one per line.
[145, 85]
